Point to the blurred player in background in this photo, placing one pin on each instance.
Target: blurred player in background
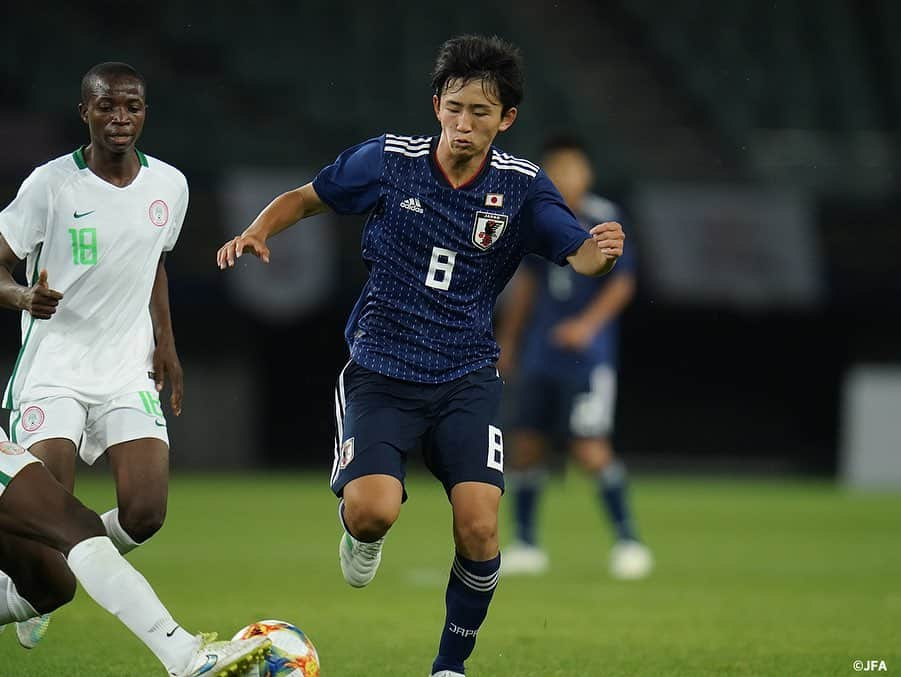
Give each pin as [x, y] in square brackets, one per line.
[49, 539]
[450, 218]
[558, 333]
[97, 337]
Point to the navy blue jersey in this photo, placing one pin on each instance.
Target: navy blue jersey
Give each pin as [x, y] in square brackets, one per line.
[563, 294]
[439, 256]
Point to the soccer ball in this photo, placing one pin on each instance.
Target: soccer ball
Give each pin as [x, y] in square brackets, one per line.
[292, 654]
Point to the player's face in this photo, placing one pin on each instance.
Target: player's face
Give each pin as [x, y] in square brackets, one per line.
[470, 116]
[114, 113]
[570, 171]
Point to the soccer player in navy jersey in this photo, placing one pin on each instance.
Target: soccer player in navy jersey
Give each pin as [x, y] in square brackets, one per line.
[449, 218]
[558, 333]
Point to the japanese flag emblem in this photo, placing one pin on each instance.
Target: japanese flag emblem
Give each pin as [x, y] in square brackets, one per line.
[494, 200]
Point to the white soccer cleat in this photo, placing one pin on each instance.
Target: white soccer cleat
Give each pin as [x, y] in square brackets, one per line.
[238, 657]
[630, 561]
[359, 560]
[448, 673]
[522, 559]
[32, 631]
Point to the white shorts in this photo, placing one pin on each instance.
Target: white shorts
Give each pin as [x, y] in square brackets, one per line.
[93, 428]
[12, 459]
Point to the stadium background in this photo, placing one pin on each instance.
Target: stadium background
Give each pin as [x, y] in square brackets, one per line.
[789, 115]
[793, 113]
[755, 144]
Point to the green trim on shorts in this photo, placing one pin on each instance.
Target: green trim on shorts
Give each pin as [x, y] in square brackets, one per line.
[12, 428]
[5, 479]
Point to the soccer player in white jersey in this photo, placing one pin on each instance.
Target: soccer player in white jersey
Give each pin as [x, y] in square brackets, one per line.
[94, 227]
[49, 539]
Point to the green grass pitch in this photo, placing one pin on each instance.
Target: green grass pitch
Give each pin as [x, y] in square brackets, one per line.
[753, 578]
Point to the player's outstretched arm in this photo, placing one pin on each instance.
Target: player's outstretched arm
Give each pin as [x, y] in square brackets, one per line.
[284, 211]
[39, 299]
[165, 358]
[598, 255]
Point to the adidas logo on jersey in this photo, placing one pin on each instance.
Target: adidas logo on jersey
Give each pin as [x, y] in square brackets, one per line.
[412, 203]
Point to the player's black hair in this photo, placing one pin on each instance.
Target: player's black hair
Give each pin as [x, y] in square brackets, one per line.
[496, 62]
[108, 69]
[559, 142]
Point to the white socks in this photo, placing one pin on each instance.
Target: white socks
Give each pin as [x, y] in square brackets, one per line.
[13, 607]
[120, 538]
[120, 589]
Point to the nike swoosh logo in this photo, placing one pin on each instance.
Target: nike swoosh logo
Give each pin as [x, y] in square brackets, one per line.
[161, 425]
[211, 660]
[172, 631]
[76, 215]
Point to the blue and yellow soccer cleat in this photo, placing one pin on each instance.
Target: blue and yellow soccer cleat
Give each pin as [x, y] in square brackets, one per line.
[32, 631]
[236, 658]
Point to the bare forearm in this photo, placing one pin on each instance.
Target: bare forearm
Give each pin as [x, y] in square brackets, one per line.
[591, 261]
[283, 212]
[611, 301]
[12, 294]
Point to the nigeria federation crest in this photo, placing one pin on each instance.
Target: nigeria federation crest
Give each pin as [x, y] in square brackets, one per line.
[488, 229]
[32, 419]
[159, 213]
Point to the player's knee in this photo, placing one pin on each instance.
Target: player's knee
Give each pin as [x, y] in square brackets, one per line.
[81, 523]
[142, 521]
[592, 455]
[477, 535]
[53, 594]
[49, 587]
[369, 522]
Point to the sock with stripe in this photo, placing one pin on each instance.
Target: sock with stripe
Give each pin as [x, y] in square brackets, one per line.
[120, 538]
[13, 607]
[612, 494]
[469, 592]
[527, 487]
[120, 589]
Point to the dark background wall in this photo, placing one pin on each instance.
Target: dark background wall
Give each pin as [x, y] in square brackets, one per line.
[799, 96]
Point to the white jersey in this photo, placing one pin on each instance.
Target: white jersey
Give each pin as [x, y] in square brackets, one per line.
[100, 245]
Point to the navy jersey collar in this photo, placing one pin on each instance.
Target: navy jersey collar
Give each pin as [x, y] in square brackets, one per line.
[441, 177]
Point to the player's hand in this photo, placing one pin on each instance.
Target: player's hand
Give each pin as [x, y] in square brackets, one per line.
[40, 300]
[231, 251]
[166, 362]
[609, 238]
[573, 334]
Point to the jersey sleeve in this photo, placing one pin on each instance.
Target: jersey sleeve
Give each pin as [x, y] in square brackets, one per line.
[552, 229]
[24, 221]
[178, 219]
[350, 185]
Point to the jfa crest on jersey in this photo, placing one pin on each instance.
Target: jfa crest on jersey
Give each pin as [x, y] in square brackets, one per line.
[488, 228]
[438, 256]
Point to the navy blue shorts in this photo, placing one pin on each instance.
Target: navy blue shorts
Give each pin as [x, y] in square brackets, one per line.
[566, 406]
[456, 425]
